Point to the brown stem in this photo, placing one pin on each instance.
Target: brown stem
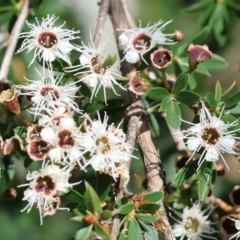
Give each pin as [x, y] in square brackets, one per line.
[24, 119]
[103, 11]
[12, 42]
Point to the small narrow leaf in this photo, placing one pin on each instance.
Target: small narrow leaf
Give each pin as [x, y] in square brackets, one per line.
[147, 217]
[154, 196]
[151, 207]
[196, 7]
[211, 101]
[187, 97]
[218, 92]
[185, 173]
[126, 209]
[134, 230]
[173, 115]
[101, 231]
[74, 196]
[233, 100]
[84, 233]
[91, 199]
[216, 63]
[158, 93]
[165, 104]
[181, 82]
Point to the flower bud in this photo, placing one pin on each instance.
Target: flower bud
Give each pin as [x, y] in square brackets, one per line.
[235, 196]
[9, 194]
[161, 58]
[138, 85]
[197, 54]
[9, 99]
[181, 161]
[179, 36]
[220, 170]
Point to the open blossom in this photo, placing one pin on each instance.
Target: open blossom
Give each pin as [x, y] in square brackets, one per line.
[211, 134]
[67, 143]
[95, 73]
[110, 151]
[48, 92]
[194, 224]
[45, 187]
[138, 41]
[48, 41]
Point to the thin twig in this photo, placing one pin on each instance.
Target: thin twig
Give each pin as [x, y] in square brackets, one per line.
[103, 11]
[12, 42]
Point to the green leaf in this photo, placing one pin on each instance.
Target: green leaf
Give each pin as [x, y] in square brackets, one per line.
[165, 104]
[134, 230]
[90, 107]
[27, 161]
[235, 110]
[77, 218]
[202, 70]
[233, 100]
[21, 132]
[186, 173]
[84, 233]
[197, 7]
[218, 92]
[146, 217]
[91, 199]
[151, 207]
[110, 60]
[101, 231]
[187, 97]
[106, 214]
[192, 82]
[158, 93]
[216, 63]
[173, 115]
[154, 196]
[235, 6]
[126, 209]
[211, 101]
[181, 82]
[84, 89]
[229, 89]
[74, 196]
[206, 14]
[205, 179]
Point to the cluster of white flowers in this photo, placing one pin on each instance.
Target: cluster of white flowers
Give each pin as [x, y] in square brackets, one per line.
[55, 138]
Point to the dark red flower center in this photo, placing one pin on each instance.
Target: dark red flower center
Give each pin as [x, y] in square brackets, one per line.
[210, 135]
[38, 150]
[103, 144]
[142, 42]
[65, 139]
[45, 184]
[47, 39]
[50, 91]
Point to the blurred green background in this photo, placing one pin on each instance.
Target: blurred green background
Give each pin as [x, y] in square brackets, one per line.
[82, 15]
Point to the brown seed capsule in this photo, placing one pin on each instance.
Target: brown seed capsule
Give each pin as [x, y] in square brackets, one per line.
[9, 194]
[197, 54]
[235, 195]
[228, 226]
[161, 58]
[181, 161]
[220, 170]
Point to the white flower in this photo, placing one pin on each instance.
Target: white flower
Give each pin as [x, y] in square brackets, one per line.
[110, 153]
[44, 187]
[193, 225]
[96, 74]
[67, 143]
[47, 41]
[138, 41]
[237, 226]
[49, 92]
[212, 135]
